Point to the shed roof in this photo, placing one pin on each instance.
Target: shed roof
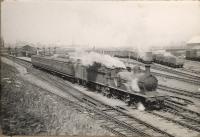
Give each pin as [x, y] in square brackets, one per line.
[194, 40]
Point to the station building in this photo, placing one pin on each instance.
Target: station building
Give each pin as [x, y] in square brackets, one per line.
[193, 49]
[24, 51]
[194, 43]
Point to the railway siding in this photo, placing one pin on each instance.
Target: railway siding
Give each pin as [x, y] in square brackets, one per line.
[169, 72]
[184, 132]
[179, 91]
[115, 115]
[120, 123]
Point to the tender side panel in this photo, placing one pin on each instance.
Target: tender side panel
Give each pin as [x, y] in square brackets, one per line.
[80, 72]
[54, 65]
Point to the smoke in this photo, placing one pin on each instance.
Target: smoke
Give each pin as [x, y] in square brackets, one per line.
[134, 85]
[141, 53]
[141, 50]
[168, 54]
[91, 57]
[145, 54]
[55, 55]
[65, 56]
[140, 106]
[163, 52]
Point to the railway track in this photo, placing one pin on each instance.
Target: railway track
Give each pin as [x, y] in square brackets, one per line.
[121, 124]
[181, 109]
[116, 120]
[179, 118]
[112, 118]
[173, 71]
[190, 71]
[180, 101]
[180, 115]
[194, 76]
[179, 91]
[187, 121]
[192, 81]
[185, 77]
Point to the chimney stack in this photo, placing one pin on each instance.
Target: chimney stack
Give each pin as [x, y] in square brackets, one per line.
[147, 68]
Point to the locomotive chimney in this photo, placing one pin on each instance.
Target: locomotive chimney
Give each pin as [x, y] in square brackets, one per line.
[147, 58]
[147, 68]
[37, 51]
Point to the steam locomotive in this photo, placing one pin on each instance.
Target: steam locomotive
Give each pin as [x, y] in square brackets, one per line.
[128, 84]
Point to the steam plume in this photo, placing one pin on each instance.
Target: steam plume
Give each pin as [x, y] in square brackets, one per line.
[134, 85]
[90, 58]
[140, 106]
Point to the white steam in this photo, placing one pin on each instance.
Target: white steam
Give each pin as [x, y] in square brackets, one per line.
[91, 57]
[55, 55]
[134, 85]
[163, 52]
[140, 106]
[168, 54]
[142, 51]
[64, 56]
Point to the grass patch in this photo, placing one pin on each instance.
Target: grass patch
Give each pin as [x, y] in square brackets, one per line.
[30, 110]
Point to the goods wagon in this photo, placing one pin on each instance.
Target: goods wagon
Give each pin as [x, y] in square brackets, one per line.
[134, 55]
[147, 57]
[171, 61]
[193, 54]
[121, 54]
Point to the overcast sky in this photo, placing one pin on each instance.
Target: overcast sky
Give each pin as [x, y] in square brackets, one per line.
[100, 23]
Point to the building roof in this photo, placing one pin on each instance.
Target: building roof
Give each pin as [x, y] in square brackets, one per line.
[194, 40]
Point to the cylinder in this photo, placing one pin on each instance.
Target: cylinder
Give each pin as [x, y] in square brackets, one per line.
[147, 69]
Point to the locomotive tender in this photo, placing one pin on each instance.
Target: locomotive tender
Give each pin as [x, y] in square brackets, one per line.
[112, 82]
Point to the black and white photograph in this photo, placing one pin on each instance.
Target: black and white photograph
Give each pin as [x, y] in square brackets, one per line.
[100, 68]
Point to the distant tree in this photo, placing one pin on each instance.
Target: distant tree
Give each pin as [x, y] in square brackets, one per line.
[2, 42]
[54, 50]
[9, 50]
[49, 50]
[37, 51]
[44, 50]
[15, 51]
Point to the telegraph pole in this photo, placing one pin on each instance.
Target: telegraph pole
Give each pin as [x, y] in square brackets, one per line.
[44, 50]
[2, 40]
[54, 50]
[49, 50]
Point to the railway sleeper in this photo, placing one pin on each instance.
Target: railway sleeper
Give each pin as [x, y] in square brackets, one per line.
[113, 131]
[180, 123]
[113, 114]
[107, 109]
